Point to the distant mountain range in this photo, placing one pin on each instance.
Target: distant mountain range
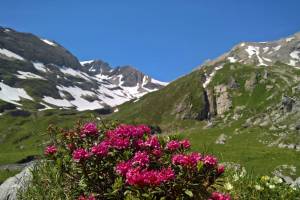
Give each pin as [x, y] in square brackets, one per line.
[40, 74]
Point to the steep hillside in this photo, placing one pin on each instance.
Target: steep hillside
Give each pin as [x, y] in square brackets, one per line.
[236, 106]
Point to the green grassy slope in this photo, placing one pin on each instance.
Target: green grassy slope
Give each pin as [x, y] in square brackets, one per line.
[159, 107]
[24, 136]
[252, 146]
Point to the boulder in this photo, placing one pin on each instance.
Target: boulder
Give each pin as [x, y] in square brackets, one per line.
[9, 189]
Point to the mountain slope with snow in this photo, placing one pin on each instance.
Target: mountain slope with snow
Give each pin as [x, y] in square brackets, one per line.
[47, 75]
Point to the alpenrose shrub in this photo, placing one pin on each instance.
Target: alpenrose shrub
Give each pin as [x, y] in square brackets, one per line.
[127, 162]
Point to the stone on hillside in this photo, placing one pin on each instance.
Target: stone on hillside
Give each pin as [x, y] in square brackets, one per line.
[222, 139]
[247, 123]
[232, 84]
[9, 189]
[250, 83]
[287, 103]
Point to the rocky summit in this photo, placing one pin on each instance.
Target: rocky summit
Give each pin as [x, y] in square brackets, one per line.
[39, 74]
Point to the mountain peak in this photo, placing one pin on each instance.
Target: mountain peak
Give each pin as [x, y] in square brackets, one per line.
[285, 50]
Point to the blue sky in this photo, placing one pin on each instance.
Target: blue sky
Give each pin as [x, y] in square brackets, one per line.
[163, 38]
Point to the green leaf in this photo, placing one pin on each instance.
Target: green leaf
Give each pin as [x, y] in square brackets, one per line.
[189, 193]
[200, 166]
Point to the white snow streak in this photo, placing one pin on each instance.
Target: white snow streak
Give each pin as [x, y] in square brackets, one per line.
[75, 73]
[10, 54]
[232, 59]
[49, 42]
[28, 75]
[86, 62]
[39, 66]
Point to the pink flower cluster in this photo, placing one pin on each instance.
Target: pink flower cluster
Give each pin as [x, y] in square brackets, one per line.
[210, 160]
[140, 159]
[89, 129]
[139, 177]
[129, 131]
[80, 155]
[122, 136]
[189, 160]
[50, 150]
[152, 143]
[219, 196]
[100, 149]
[173, 145]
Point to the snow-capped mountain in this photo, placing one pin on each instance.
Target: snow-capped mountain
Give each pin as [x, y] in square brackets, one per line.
[286, 51]
[40, 72]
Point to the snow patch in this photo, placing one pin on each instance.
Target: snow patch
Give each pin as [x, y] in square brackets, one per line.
[46, 107]
[292, 62]
[266, 49]
[210, 76]
[232, 59]
[28, 75]
[57, 102]
[159, 82]
[289, 39]
[251, 50]
[11, 94]
[277, 47]
[40, 66]
[86, 62]
[75, 73]
[243, 44]
[49, 42]
[267, 59]
[81, 103]
[295, 55]
[11, 54]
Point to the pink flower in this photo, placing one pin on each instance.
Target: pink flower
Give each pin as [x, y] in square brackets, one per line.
[80, 154]
[151, 142]
[89, 129]
[101, 149]
[50, 150]
[140, 159]
[123, 167]
[173, 145]
[185, 144]
[189, 160]
[219, 196]
[157, 152]
[220, 170]
[210, 160]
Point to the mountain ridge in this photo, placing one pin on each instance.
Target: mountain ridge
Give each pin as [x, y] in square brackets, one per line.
[44, 75]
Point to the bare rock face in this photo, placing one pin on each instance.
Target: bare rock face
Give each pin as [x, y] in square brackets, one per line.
[9, 189]
[250, 84]
[223, 100]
